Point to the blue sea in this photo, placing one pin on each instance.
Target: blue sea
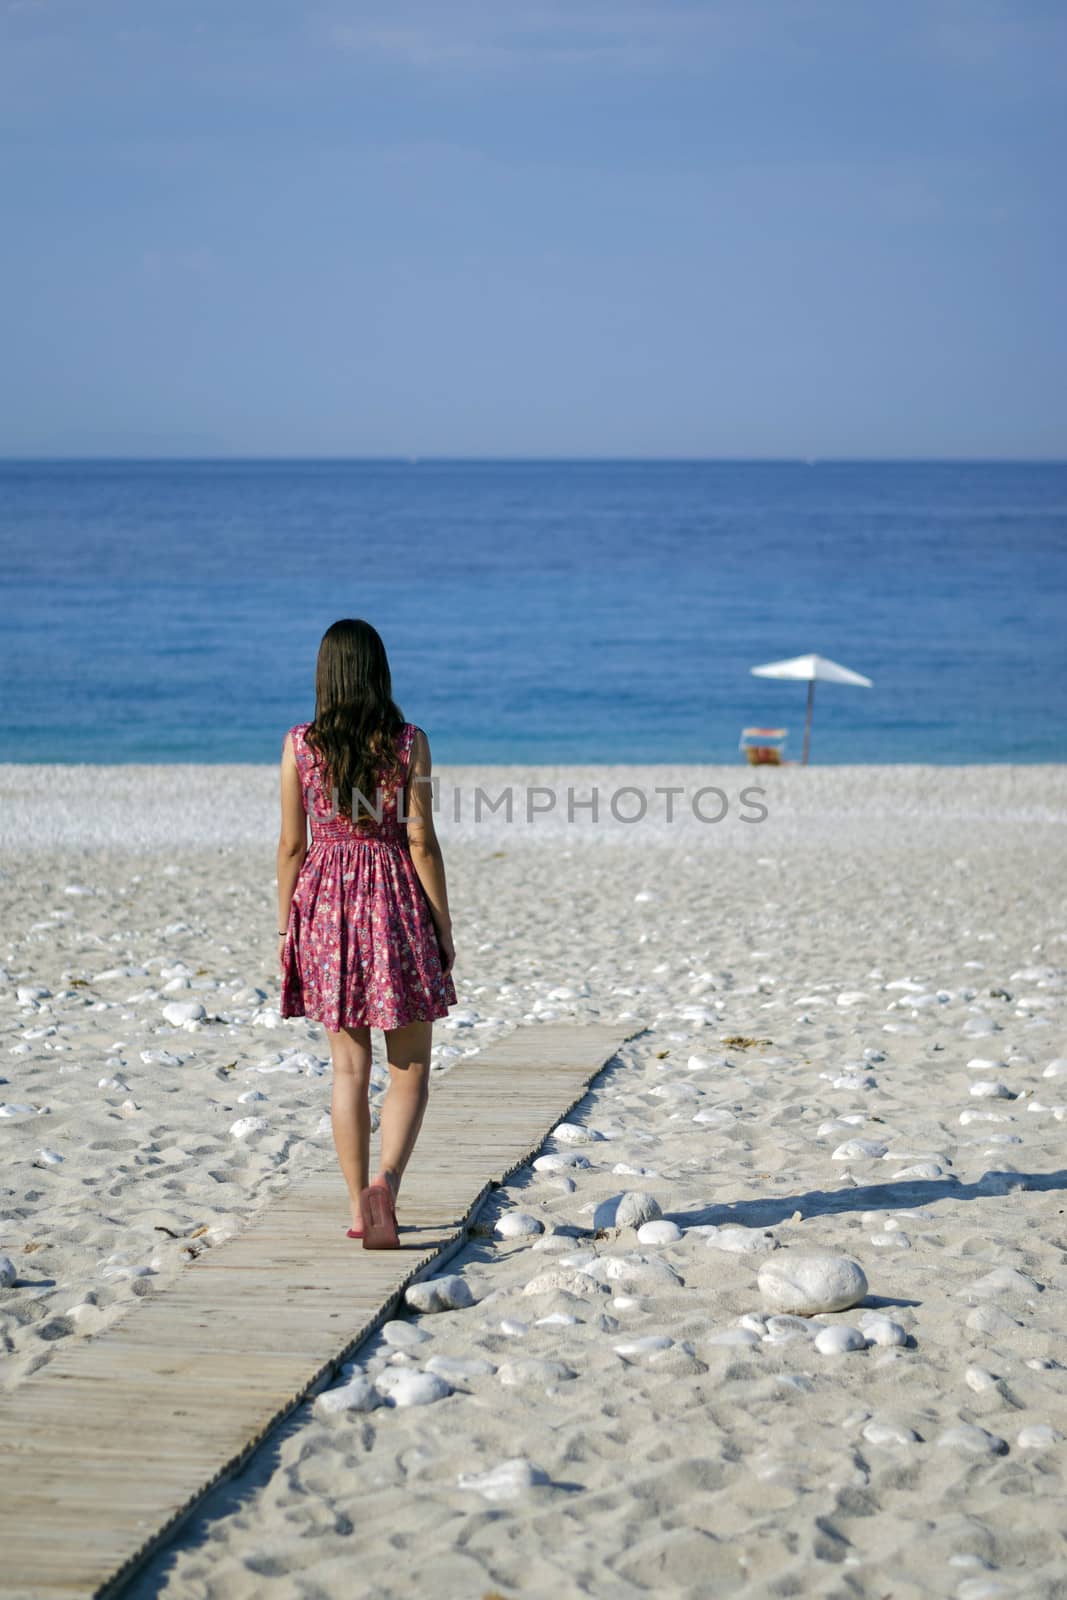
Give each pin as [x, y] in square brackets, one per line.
[600, 611]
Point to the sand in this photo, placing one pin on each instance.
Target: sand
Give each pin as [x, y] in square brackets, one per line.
[819, 991]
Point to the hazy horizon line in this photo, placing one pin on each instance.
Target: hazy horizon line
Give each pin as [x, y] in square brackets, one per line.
[402, 459]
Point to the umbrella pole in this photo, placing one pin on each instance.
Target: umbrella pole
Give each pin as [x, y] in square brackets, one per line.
[807, 724]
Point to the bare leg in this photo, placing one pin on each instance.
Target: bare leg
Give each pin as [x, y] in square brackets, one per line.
[350, 1109]
[402, 1111]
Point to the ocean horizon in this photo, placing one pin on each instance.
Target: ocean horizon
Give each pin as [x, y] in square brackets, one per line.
[537, 611]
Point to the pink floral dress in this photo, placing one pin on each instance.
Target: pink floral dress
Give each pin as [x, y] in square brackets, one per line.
[361, 948]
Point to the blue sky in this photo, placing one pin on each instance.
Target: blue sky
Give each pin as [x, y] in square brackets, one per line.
[673, 228]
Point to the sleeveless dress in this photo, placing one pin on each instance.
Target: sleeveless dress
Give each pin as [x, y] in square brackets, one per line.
[360, 947]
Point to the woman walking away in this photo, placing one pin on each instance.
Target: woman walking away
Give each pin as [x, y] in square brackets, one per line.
[365, 937]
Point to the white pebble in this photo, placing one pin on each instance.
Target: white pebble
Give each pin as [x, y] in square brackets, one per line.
[460, 1369]
[743, 1337]
[401, 1334]
[556, 1162]
[552, 1243]
[638, 1272]
[837, 1340]
[676, 1091]
[517, 1225]
[505, 1482]
[973, 1440]
[740, 1240]
[889, 1433]
[987, 1089]
[983, 1588]
[659, 1232]
[637, 1208]
[643, 1346]
[859, 1150]
[86, 1317]
[49, 1158]
[978, 1379]
[244, 1127]
[799, 1282]
[179, 1012]
[839, 1124]
[447, 1293]
[402, 1387]
[8, 1272]
[575, 1133]
[884, 1332]
[781, 1329]
[1038, 1436]
[358, 1394]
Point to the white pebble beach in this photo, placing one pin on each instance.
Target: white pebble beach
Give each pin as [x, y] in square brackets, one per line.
[854, 1046]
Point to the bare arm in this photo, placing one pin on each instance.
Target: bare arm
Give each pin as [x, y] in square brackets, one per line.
[292, 840]
[425, 850]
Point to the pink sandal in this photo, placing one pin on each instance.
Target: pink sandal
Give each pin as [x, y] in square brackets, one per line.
[355, 1233]
[379, 1217]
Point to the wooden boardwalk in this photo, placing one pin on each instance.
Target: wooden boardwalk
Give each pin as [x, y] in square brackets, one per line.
[114, 1442]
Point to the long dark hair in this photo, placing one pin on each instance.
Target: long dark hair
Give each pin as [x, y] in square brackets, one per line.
[356, 718]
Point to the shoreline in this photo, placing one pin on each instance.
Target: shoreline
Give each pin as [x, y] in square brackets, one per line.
[189, 806]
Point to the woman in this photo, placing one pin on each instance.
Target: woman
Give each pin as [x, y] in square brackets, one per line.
[365, 937]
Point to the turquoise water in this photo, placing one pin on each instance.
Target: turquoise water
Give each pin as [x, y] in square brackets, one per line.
[536, 611]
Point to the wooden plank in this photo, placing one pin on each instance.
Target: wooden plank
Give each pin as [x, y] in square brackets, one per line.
[109, 1446]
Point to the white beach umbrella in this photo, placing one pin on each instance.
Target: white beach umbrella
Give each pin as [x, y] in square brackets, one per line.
[810, 669]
